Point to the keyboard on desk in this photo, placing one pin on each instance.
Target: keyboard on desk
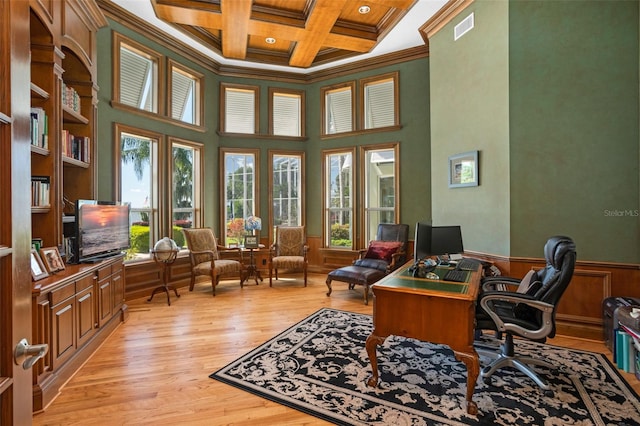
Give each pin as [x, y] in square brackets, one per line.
[468, 264]
[456, 275]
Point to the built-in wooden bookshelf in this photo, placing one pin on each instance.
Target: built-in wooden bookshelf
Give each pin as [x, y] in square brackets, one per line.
[75, 309]
[63, 102]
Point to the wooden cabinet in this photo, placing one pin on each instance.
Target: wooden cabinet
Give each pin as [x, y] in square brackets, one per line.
[110, 290]
[73, 312]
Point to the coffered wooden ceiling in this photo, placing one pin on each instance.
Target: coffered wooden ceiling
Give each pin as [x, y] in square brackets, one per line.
[297, 33]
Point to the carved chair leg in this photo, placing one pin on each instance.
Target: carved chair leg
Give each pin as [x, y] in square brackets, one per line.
[193, 281]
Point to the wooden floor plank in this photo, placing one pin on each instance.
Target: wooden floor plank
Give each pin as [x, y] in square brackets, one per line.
[154, 368]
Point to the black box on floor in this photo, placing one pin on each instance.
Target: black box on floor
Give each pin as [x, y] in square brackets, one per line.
[610, 307]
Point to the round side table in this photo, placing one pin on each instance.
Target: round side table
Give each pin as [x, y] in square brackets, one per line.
[164, 258]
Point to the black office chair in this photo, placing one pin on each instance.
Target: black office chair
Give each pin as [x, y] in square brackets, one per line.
[529, 314]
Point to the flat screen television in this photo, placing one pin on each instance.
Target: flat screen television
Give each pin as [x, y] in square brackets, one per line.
[422, 241]
[446, 240]
[102, 230]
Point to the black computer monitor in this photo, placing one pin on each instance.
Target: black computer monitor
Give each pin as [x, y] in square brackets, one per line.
[446, 240]
[422, 241]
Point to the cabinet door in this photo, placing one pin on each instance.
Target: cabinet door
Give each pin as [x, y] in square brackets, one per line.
[64, 341]
[86, 319]
[105, 301]
[118, 290]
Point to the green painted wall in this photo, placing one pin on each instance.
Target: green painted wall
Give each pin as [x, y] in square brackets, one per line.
[470, 111]
[414, 136]
[548, 92]
[574, 127]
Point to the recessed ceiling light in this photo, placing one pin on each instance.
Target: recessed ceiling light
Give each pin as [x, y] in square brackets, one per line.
[364, 9]
[270, 40]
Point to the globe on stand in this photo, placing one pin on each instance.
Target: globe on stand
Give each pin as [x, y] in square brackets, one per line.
[165, 249]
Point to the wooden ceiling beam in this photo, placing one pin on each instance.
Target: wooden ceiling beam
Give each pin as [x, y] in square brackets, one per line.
[321, 20]
[235, 26]
[184, 13]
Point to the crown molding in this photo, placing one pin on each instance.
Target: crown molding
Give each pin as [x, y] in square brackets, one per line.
[449, 11]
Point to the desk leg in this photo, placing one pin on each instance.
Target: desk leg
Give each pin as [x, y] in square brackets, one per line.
[472, 361]
[372, 343]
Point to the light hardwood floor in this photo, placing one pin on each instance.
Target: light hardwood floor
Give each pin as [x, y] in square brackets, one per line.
[154, 368]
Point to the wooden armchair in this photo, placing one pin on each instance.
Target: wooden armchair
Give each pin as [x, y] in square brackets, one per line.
[289, 251]
[204, 253]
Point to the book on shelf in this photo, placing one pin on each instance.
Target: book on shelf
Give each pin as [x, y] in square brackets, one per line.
[76, 147]
[40, 190]
[39, 128]
[70, 98]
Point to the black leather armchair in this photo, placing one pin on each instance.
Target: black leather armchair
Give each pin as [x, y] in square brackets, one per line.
[387, 232]
[529, 312]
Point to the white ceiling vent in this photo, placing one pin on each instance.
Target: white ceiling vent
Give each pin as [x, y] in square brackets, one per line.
[463, 27]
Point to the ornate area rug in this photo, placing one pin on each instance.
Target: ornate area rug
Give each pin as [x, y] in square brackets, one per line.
[320, 366]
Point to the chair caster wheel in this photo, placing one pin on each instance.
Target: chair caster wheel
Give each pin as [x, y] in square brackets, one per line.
[548, 393]
[487, 381]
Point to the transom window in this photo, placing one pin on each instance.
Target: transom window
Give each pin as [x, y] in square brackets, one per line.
[379, 105]
[239, 108]
[186, 94]
[137, 75]
[338, 114]
[286, 112]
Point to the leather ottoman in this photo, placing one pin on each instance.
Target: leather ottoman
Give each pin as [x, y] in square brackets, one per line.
[355, 275]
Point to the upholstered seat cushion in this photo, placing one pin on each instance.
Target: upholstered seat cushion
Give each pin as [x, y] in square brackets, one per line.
[379, 264]
[356, 275]
[288, 262]
[223, 266]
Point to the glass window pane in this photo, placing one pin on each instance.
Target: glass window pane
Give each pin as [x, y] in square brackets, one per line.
[338, 112]
[239, 110]
[138, 79]
[239, 195]
[287, 190]
[379, 104]
[380, 188]
[183, 96]
[287, 114]
[183, 184]
[339, 210]
[137, 154]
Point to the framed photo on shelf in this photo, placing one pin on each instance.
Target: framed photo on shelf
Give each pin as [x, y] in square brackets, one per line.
[463, 169]
[38, 271]
[52, 259]
[251, 241]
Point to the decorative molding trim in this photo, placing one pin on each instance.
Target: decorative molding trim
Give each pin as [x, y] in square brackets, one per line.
[442, 18]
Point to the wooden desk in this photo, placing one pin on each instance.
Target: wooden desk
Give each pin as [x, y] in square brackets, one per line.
[431, 310]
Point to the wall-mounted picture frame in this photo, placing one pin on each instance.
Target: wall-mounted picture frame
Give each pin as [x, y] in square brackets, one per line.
[38, 271]
[52, 259]
[251, 241]
[463, 169]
